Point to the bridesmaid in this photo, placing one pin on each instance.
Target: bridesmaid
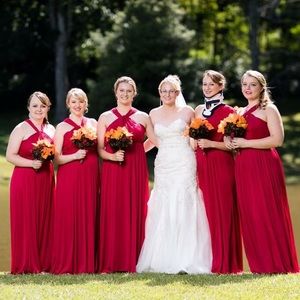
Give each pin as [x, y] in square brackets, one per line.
[31, 191]
[77, 193]
[215, 168]
[264, 211]
[124, 187]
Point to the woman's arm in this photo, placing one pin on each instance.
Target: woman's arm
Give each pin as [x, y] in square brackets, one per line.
[60, 158]
[14, 142]
[101, 129]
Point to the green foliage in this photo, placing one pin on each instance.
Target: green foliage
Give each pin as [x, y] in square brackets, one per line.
[147, 43]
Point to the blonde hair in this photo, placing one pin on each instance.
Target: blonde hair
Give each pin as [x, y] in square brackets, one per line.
[77, 94]
[216, 77]
[125, 79]
[173, 80]
[44, 99]
[265, 95]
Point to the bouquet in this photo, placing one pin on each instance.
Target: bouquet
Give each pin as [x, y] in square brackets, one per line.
[234, 125]
[199, 129]
[84, 138]
[43, 150]
[119, 139]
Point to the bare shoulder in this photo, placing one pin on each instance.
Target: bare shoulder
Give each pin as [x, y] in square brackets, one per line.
[20, 128]
[50, 127]
[62, 127]
[272, 108]
[199, 108]
[105, 116]
[92, 121]
[142, 114]
[188, 110]
[155, 111]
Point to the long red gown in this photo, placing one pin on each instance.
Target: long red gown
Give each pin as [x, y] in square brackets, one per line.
[77, 193]
[264, 212]
[123, 205]
[215, 169]
[31, 201]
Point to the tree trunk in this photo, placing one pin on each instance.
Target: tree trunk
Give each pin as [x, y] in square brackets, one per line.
[253, 33]
[58, 21]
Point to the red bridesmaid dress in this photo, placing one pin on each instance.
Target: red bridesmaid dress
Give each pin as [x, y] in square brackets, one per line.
[75, 205]
[264, 211]
[31, 200]
[123, 205]
[215, 169]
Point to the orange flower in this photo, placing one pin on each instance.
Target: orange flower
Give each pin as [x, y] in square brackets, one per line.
[199, 128]
[43, 150]
[84, 137]
[234, 125]
[119, 138]
[86, 132]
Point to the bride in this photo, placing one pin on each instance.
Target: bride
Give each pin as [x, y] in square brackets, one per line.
[177, 238]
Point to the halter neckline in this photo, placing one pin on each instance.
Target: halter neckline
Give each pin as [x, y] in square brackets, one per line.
[34, 126]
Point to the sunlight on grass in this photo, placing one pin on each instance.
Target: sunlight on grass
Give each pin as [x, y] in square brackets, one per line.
[149, 286]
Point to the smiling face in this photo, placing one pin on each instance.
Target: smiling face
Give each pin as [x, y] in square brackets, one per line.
[210, 88]
[168, 93]
[125, 93]
[77, 106]
[251, 88]
[37, 109]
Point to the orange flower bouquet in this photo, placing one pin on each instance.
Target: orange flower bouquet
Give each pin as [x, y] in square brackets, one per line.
[199, 129]
[84, 138]
[234, 125]
[119, 138]
[43, 150]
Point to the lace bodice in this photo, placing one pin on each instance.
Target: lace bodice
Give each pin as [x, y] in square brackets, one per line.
[171, 135]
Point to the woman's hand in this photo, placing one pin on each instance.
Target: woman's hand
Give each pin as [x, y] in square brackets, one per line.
[228, 142]
[239, 143]
[204, 143]
[80, 154]
[119, 155]
[36, 164]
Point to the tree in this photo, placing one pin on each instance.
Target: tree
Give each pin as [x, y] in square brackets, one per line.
[147, 42]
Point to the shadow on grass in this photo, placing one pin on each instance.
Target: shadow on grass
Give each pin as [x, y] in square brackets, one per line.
[155, 279]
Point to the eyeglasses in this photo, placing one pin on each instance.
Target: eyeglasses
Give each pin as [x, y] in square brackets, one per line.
[165, 92]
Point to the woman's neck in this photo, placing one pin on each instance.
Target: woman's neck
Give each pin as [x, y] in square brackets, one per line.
[170, 108]
[252, 103]
[123, 109]
[38, 123]
[76, 119]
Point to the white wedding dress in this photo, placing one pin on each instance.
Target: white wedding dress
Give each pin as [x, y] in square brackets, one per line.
[177, 237]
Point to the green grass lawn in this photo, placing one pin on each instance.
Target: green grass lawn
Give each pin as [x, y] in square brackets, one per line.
[150, 286]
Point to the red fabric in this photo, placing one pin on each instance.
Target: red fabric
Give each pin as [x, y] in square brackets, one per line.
[77, 193]
[265, 217]
[124, 196]
[31, 200]
[215, 169]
